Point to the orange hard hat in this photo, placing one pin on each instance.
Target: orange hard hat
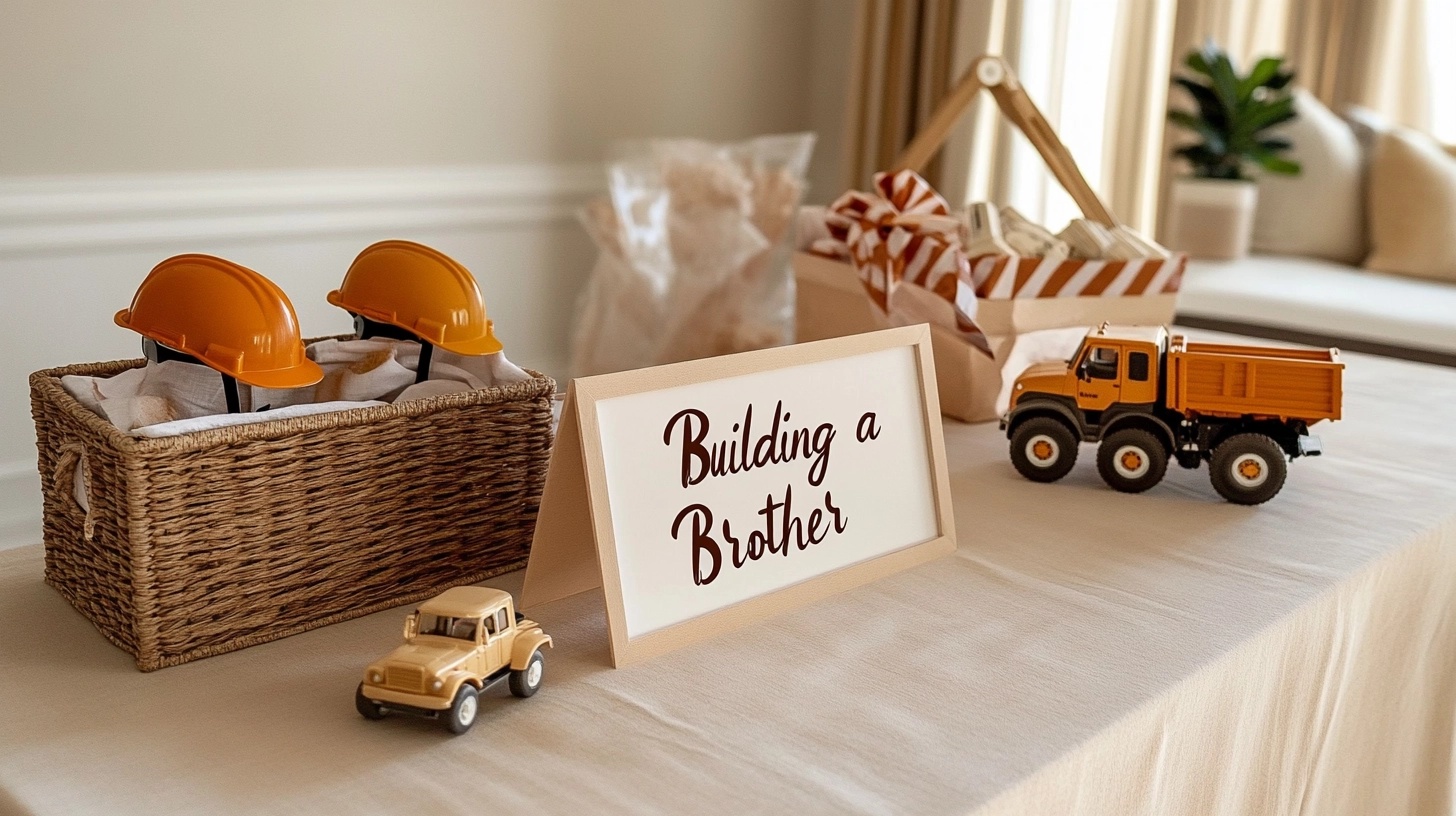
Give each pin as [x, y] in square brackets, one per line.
[421, 290]
[226, 316]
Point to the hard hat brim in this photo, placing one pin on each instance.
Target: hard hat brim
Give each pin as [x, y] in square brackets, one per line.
[123, 319]
[304, 374]
[486, 344]
[475, 347]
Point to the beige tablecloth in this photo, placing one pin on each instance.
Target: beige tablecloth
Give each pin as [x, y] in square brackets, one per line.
[1084, 652]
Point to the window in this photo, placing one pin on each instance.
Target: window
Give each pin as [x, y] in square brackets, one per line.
[1440, 17]
[1137, 366]
[1065, 57]
[1102, 363]
[459, 628]
[496, 622]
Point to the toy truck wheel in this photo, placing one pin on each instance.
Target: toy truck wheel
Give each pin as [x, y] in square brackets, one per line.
[1043, 449]
[527, 681]
[1132, 460]
[1248, 468]
[461, 714]
[368, 709]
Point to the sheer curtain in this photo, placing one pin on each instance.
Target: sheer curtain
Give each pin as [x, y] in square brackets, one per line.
[902, 68]
[1440, 25]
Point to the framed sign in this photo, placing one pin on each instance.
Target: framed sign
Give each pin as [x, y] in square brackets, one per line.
[703, 496]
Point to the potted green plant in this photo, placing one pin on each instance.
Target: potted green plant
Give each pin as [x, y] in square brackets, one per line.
[1211, 212]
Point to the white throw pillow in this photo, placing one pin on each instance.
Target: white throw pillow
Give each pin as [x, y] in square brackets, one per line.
[1412, 207]
[1320, 212]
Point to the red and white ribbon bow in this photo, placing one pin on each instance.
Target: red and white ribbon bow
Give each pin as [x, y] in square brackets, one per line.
[904, 236]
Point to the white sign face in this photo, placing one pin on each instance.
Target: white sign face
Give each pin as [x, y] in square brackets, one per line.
[707, 495]
[730, 489]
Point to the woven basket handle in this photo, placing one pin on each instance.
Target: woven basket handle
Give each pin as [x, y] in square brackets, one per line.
[63, 484]
[993, 74]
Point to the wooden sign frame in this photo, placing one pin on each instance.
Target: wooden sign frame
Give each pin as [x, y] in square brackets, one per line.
[574, 548]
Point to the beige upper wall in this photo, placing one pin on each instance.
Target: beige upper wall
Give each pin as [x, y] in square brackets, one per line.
[88, 86]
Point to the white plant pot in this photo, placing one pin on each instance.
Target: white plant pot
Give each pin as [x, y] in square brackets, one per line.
[1212, 218]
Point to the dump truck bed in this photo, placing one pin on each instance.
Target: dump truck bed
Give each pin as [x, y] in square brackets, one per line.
[1287, 384]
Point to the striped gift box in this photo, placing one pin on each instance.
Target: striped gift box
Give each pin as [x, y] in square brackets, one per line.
[1006, 277]
[903, 233]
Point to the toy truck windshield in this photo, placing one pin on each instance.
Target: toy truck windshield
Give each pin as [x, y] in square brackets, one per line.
[458, 628]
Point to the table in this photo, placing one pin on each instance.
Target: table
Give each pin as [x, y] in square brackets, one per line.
[1084, 651]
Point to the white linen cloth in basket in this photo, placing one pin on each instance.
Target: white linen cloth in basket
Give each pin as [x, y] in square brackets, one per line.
[174, 398]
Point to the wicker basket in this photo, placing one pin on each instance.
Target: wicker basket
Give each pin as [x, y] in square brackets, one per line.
[200, 544]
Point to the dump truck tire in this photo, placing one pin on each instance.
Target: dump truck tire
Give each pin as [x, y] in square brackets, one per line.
[1043, 449]
[1248, 468]
[1132, 460]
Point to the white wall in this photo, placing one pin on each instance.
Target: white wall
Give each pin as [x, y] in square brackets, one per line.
[169, 85]
[288, 134]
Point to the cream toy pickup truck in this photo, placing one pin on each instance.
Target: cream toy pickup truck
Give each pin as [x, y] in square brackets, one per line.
[456, 645]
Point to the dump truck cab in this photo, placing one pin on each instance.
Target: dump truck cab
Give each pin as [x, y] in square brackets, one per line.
[456, 645]
[1146, 397]
[1111, 382]
[1112, 368]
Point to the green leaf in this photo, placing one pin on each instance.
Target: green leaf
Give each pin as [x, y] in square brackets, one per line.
[1198, 154]
[1205, 166]
[1275, 164]
[1205, 162]
[1265, 114]
[1280, 81]
[1196, 62]
[1275, 144]
[1209, 106]
[1263, 71]
[1212, 136]
[1225, 81]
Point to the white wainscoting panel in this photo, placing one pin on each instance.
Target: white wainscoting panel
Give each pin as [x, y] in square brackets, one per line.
[73, 249]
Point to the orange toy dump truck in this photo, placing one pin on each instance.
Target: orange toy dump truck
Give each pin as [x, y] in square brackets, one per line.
[1146, 397]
